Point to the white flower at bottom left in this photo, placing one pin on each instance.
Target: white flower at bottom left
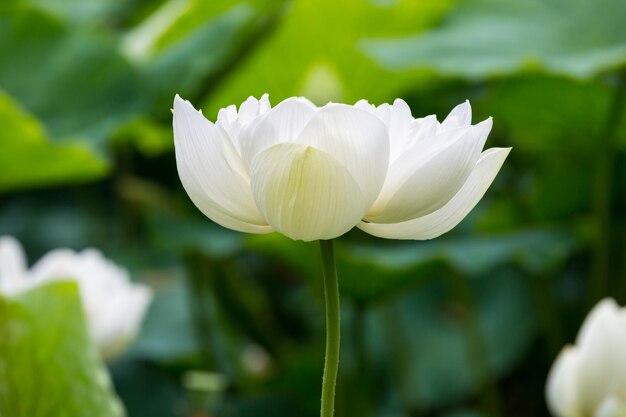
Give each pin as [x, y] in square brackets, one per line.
[114, 306]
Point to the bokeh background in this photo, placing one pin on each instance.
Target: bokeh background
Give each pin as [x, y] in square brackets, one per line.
[465, 325]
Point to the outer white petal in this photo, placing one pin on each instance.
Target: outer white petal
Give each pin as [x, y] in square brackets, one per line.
[426, 177]
[562, 387]
[601, 345]
[355, 138]
[447, 217]
[212, 173]
[13, 267]
[281, 124]
[611, 407]
[305, 193]
[461, 115]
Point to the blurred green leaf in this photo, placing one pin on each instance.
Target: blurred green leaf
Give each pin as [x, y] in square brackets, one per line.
[80, 11]
[463, 413]
[28, 158]
[312, 51]
[371, 272]
[473, 256]
[150, 138]
[184, 43]
[48, 366]
[167, 332]
[303, 257]
[375, 271]
[546, 115]
[74, 80]
[180, 234]
[482, 38]
[146, 390]
[423, 338]
[568, 116]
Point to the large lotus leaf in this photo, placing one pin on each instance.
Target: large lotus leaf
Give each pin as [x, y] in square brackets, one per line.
[372, 272]
[437, 345]
[28, 158]
[312, 51]
[167, 332]
[79, 11]
[182, 45]
[74, 80]
[565, 117]
[578, 38]
[48, 366]
[147, 391]
[568, 116]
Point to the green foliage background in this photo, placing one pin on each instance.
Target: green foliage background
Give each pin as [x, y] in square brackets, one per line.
[466, 325]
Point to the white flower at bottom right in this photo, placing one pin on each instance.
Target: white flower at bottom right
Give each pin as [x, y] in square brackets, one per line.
[588, 379]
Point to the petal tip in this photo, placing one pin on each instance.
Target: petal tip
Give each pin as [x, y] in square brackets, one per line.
[178, 100]
[486, 124]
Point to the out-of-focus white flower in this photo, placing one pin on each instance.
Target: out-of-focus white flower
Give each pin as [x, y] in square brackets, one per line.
[313, 172]
[13, 267]
[588, 379]
[114, 306]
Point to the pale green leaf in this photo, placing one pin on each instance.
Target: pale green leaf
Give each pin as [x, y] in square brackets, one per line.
[48, 366]
[29, 159]
[312, 50]
[578, 38]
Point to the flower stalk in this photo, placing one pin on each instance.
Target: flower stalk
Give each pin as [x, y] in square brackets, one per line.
[333, 324]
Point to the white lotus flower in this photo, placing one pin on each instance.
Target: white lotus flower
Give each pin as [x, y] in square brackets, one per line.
[316, 172]
[589, 378]
[114, 306]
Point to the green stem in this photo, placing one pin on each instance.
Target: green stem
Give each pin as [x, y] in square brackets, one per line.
[331, 361]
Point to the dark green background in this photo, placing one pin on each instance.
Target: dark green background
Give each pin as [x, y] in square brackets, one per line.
[466, 325]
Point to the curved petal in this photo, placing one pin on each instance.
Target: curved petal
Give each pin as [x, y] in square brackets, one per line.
[447, 217]
[562, 385]
[399, 121]
[305, 193]
[605, 312]
[212, 173]
[423, 131]
[281, 124]
[601, 344]
[426, 177]
[356, 139]
[13, 267]
[461, 115]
